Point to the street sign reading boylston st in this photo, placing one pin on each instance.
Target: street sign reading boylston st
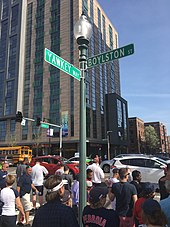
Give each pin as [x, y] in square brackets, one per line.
[62, 64]
[110, 55]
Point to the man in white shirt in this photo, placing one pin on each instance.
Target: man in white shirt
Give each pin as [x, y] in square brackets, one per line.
[98, 174]
[38, 173]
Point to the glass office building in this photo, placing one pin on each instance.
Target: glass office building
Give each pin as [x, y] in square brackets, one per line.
[37, 89]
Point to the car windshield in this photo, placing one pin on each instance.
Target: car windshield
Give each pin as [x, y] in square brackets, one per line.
[161, 160]
[65, 160]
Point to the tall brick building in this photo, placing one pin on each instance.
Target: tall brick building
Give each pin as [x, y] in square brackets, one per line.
[136, 135]
[161, 131]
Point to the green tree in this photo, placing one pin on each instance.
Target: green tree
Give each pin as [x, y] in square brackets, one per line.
[152, 140]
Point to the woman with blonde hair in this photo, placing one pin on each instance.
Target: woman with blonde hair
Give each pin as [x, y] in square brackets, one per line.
[10, 197]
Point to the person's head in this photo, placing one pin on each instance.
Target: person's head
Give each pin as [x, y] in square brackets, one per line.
[115, 172]
[28, 170]
[10, 180]
[148, 190]
[95, 158]
[38, 162]
[97, 196]
[55, 188]
[66, 169]
[152, 213]
[89, 173]
[137, 175]
[5, 166]
[62, 166]
[25, 161]
[167, 186]
[66, 199]
[77, 177]
[124, 174]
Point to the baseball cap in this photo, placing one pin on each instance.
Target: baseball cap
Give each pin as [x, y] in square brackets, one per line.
[148, 188]
[115, 170]
[150, 206]
[97, 193]
[89, 184]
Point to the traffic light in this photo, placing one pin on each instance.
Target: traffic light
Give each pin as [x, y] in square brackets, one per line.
[38, 121]
[18, 117]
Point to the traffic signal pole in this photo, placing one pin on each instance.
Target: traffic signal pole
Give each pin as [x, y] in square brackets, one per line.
[41, 122]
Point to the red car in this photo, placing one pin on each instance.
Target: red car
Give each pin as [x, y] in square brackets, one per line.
[52, 163]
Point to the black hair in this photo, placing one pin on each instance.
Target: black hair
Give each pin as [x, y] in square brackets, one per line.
[66, 168]
[77, 176]
[136, 174]
[88, 171]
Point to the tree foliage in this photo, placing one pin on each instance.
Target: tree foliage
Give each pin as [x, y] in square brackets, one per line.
[152, 140]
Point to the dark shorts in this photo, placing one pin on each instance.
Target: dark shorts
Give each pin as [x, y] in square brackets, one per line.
[40, 189]
[8, 221]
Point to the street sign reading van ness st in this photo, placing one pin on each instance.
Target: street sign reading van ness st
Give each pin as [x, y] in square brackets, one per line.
[110, 55]
[62, 64]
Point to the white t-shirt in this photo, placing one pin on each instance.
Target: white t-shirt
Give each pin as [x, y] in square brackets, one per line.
[37, 174]
[8, 196]
[98, 173]
[112, 181]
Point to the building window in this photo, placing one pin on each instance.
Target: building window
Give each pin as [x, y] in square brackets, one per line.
[119, 114]
[2, 130]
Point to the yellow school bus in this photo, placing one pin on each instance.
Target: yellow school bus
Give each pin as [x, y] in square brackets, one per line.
[17, 153]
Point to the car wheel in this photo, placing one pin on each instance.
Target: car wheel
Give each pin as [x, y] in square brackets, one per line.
[106, 168]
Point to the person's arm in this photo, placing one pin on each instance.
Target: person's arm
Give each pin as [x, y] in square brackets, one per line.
[77, 195]
[19, 205]
[102, 174]
[111, 195]
[34, 188]
[45, 171]
[134, 197]
[134, 194]
[18, 189]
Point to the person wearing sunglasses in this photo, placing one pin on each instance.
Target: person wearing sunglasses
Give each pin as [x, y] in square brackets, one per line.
[126, 195]
[3, 174]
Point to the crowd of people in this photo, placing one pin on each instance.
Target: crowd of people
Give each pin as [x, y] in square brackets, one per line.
[132, 202]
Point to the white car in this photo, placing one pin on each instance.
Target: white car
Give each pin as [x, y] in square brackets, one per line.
[151, 168]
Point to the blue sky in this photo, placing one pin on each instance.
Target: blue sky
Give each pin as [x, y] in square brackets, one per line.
[145, 75]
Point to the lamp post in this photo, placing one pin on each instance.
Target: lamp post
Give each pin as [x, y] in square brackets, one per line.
[61, 140]
[82, 33]
[108, 144]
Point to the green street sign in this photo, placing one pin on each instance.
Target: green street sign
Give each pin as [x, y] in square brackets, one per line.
[44, 125]
[60, 63]
[110, 55]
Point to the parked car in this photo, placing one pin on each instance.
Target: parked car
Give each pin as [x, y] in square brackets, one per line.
[106, 165]
[151, 168]
[7, 159]
[52, 163]
[77, 159]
